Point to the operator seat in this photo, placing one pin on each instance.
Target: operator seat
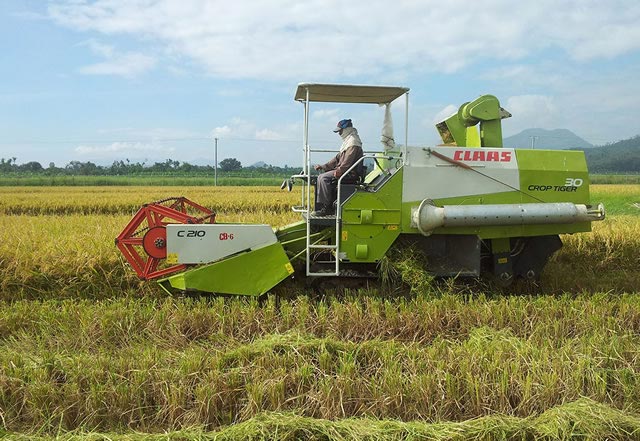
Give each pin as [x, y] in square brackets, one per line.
[349, 185]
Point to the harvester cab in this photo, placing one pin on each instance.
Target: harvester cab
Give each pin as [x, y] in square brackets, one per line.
[470, 205]
[325, 237]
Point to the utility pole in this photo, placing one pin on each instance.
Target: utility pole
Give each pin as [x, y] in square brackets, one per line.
[215, 164]
[533, 141]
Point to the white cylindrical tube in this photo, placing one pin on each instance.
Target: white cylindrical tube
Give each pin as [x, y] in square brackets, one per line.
[428, 217]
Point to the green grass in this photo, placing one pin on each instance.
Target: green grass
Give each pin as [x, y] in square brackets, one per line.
[618, 199]
[615, 179]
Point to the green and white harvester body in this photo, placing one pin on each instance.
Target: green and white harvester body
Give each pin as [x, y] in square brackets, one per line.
[470, 205]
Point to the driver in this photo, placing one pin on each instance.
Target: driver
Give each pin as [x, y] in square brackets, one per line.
[350, 153]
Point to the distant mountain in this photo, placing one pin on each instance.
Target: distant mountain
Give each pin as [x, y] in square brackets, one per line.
[558, 139]
[621, 156]
[259, 164]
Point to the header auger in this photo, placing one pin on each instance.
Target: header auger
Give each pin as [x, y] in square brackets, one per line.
[472, 207]
[143, 242]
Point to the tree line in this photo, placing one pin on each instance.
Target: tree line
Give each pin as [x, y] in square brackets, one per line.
[618, 157]
[127, 167]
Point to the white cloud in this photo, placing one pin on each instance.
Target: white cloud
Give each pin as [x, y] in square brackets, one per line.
[177, 71]
[327, 118]
[153, 134]
[325, 114]
[98, 48]
[444, 113]
[268, 135]
[601, 108]
[221, 132]
[308, 40]
[126, 64]
[132, 149]
[239, 128]
[532, 111]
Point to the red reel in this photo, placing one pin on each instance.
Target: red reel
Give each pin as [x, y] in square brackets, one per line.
[143, 241]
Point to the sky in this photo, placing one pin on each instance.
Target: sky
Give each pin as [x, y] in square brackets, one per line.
[148, 80]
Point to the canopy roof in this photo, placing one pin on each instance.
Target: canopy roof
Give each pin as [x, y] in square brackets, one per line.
[348, 93]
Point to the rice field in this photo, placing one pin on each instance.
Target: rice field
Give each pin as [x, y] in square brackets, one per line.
[184, 179]
[89, 352]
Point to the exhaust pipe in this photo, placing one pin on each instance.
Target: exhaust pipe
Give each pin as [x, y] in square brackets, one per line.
[427, 217]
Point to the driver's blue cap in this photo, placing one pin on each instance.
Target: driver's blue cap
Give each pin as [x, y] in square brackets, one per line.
[343, 124]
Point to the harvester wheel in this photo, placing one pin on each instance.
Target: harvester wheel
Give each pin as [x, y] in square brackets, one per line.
[143, 241]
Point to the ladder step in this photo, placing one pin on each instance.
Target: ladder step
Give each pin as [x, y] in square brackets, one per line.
[324, 274]
[311, 219]
[323, 247]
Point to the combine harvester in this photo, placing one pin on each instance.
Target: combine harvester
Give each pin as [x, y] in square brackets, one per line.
[472, 206]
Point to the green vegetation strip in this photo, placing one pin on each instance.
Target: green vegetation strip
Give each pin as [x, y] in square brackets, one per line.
[583, 419]
[632, 178]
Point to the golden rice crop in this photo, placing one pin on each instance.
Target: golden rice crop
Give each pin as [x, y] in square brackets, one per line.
[606, 259]
[125, 200]
[619, 199]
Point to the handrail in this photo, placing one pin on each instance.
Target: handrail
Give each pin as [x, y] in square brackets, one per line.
[371, 154]
[337, 150]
